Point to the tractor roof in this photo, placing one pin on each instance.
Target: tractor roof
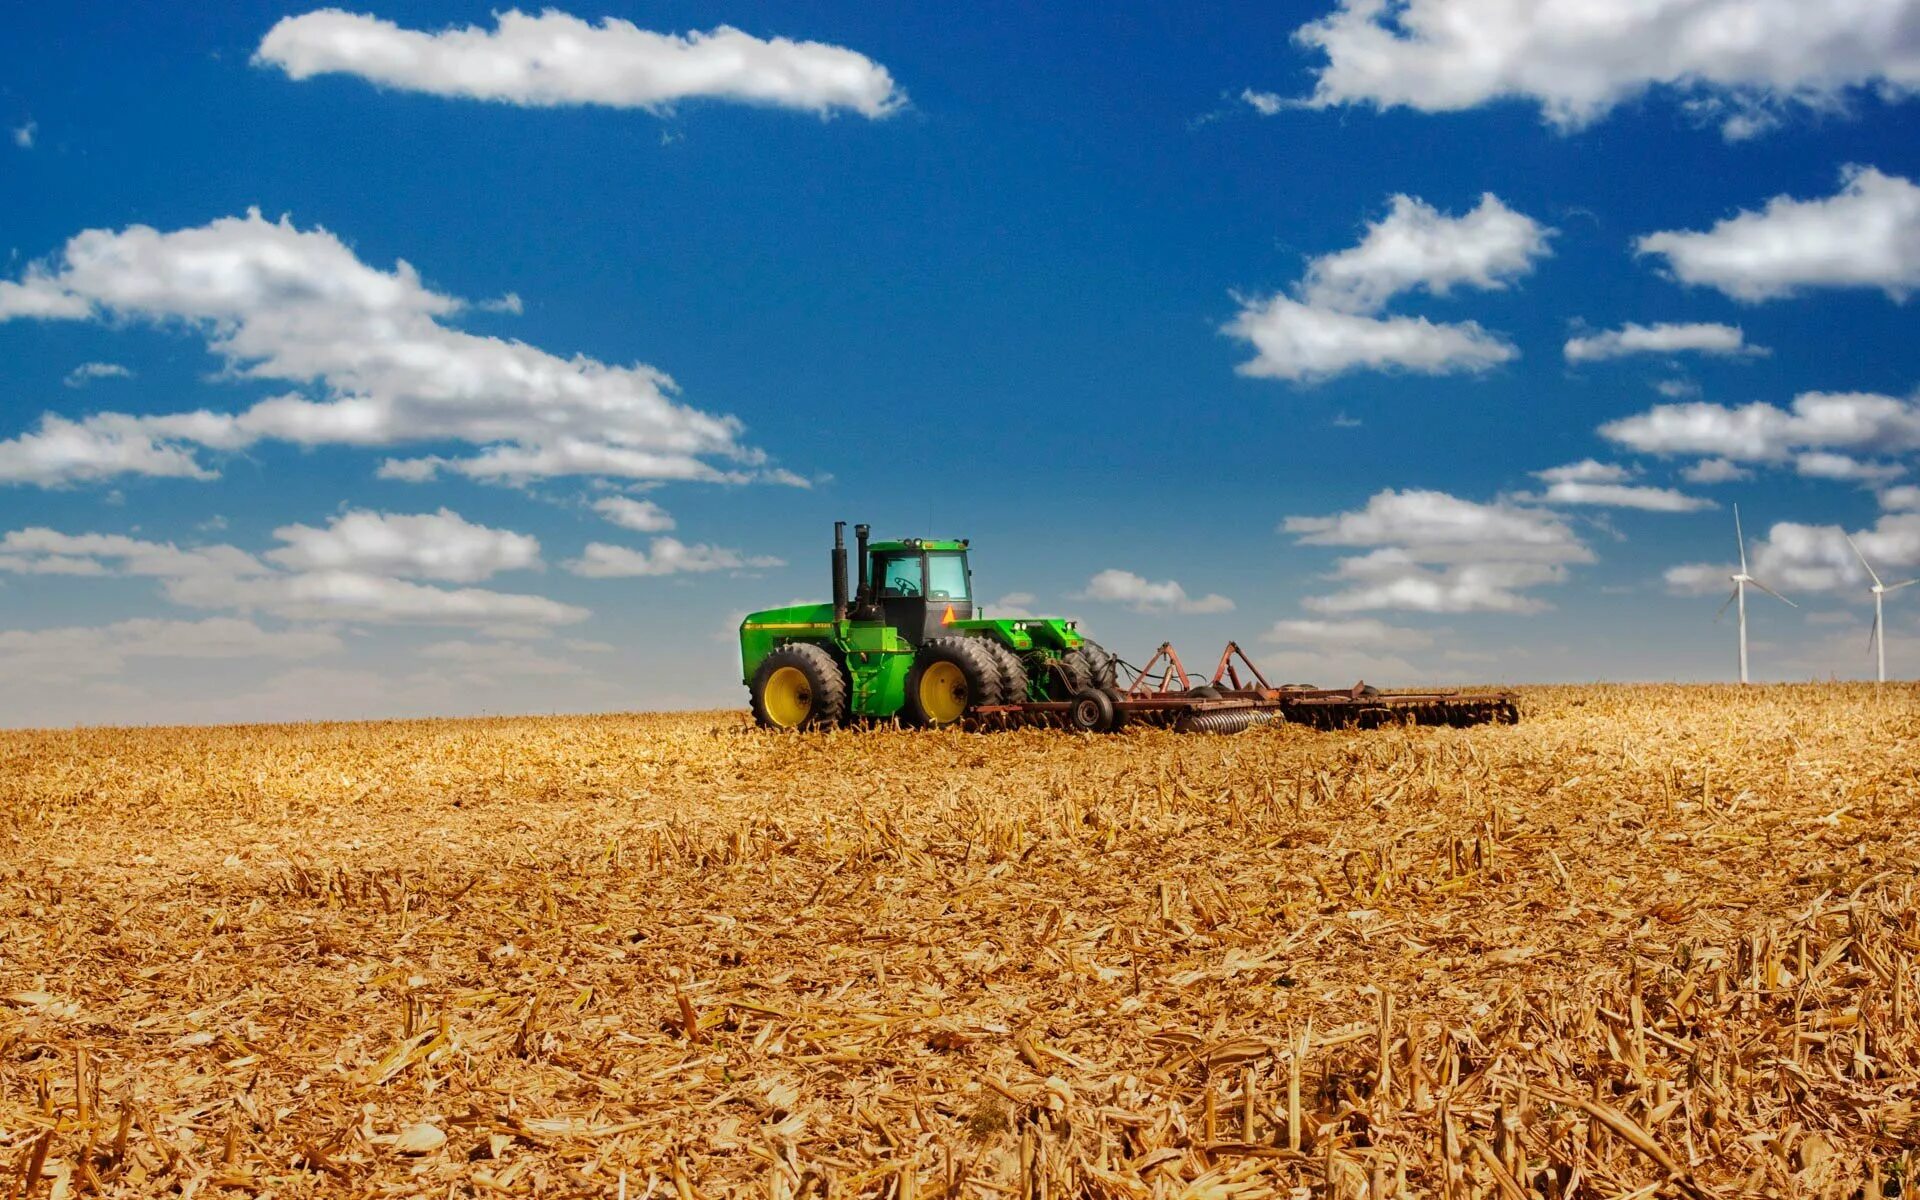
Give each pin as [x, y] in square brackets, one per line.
[919, 544]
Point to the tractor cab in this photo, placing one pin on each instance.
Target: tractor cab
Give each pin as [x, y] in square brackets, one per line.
[918, 586]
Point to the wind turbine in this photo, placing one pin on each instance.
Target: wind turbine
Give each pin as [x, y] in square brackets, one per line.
[1877, 636]
[1740, 583]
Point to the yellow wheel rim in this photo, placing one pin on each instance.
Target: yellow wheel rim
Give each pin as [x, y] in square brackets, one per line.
[943, 692]
[788, 697]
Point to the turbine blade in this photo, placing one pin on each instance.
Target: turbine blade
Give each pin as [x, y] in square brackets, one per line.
[1862, 558]
[1723, 607]
[1909, 583]
[1873, 632]
[1776, 595]
[1740, 537]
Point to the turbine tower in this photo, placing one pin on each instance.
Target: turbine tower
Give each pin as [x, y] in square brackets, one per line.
[1740, 582]
[1877, 636]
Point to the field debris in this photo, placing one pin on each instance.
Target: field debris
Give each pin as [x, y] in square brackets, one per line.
[1652, 941]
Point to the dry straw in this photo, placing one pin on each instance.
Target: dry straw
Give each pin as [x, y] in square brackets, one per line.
[1651, 942]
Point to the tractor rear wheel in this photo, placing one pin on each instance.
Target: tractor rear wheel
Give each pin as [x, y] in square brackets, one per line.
[1013, 673]
[1103, 669]
[1073, 668]
[799, 686]
[951, 676]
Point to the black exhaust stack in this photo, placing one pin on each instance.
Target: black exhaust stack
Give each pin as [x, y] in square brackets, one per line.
[839, 571]
[862, 599]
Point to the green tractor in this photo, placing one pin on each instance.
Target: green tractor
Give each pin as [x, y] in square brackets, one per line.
[909, 645]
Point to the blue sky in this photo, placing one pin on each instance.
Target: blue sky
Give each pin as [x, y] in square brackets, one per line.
[954, 274]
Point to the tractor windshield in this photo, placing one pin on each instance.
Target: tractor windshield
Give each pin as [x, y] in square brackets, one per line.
[900, 575]
[946, 577]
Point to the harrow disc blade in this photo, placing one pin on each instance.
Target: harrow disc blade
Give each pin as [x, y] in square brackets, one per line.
[1231, 720]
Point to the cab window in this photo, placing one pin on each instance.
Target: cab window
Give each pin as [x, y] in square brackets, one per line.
[899, 575]
[946, 577]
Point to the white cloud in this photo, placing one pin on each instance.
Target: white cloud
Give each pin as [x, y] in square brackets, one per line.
[424, 469]
[1265, 103]
[1297, 341]
[1817, 557]
[1391, 578]
[1660, 339]
[1677, 389]
[442, 545]
[1014, 606]
[1825, 464]
[1623, 495]
[1358, 633]
[1438, 527]
[558, 59]
[354, 596]
[23, 135]
[1587, 470]
[281, 303]
[86, 373]
[1715, 470]
[60, 453]
[665, 556]
[1906, 497]
[38, 550]
[68, 652]
[1742, 62]
[1145, 596]
[1797, 558]
[1854, 423]
[1334, 326]
[1486, 555]
[641, 516]
[1605, 485]
[1867, 235]
[37, 297]
[1416, 247]
[222, 577]
[1698, 579]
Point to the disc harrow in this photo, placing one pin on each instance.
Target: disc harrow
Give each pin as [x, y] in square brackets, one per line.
[1237, 697]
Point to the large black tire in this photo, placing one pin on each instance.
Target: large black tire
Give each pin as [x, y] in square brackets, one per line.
[1102, 668]
[1090, 711]
[951, 677]
[1013, 673]
[799, 686]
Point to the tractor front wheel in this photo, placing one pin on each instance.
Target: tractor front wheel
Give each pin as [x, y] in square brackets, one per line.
[799, 686]
[951, 677]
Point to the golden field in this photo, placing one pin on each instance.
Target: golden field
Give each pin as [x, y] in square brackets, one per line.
[1653, 941]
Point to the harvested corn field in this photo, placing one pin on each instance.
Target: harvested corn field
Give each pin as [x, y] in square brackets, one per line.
[1651, 941]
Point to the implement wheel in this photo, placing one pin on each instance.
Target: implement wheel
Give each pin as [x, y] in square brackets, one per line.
[951, 676]
[799, 687]
[1090, 711]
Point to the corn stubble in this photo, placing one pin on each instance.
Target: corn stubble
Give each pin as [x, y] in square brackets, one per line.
[1653, 941]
